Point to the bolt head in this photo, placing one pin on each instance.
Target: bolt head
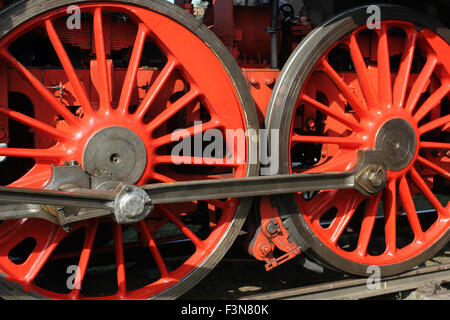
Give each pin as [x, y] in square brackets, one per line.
[132, 205]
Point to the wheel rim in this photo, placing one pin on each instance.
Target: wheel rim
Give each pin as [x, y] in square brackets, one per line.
[349, 113]
[207, 86]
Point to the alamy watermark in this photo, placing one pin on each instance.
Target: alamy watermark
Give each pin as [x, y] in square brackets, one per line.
[374, 20]
[74, 19]
[71, 282]
[189, 148]
[374, 280]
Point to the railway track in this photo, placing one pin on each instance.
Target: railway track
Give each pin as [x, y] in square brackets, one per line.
[353, 289]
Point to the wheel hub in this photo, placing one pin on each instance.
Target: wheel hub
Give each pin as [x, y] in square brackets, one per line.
[117, 152]
[398, 142]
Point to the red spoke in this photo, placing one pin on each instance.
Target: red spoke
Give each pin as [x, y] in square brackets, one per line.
[321, 204]
[443, 121]
[446, 127]
[390, 215]
[162, 178]
[421, 83]
[36, 177]
[188, 132]
[384, 69]
[68, 67]
[434, 167]
[434, 145]
[337, 163]
[154, 249]
[401, 81]
[367, 224]
[84, 258]
[52, 154]
[317, 210]
[423, 187]
[120, 260]
[41, 253]
[130, 78]
[363, 75]
[411, 212]
[39, 262]
[102, 66]
[171, 110]
[343, 217]
[433, 101]
[7, 229]
[340, 116]
[217, 203]
[156, 88]
[199, 244]
[33, 123]
[343, 87]
[341, 141]
[41, 89]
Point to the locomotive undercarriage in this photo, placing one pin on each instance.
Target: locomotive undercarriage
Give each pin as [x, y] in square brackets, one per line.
[88, 115]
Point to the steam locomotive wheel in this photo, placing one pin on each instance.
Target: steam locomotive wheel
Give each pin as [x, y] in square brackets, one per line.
[178, 76]
[349, 88]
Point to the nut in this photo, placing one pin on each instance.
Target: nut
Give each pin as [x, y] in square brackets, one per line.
[372, 179]
[131, 205]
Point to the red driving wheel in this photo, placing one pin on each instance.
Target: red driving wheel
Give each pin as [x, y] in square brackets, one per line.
[348, 88]
[119, 120]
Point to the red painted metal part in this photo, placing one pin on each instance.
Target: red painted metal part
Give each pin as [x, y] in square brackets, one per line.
[270, 235]
[261, 82]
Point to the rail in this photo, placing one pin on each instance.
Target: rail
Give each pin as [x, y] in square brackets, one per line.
[353, 289]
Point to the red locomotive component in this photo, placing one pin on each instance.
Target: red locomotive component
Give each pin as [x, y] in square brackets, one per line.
[272, 234]
[107, 102]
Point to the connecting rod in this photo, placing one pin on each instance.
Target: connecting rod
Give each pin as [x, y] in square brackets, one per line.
[129, 204]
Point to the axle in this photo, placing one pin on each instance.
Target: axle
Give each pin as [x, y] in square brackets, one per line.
[130, 204]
